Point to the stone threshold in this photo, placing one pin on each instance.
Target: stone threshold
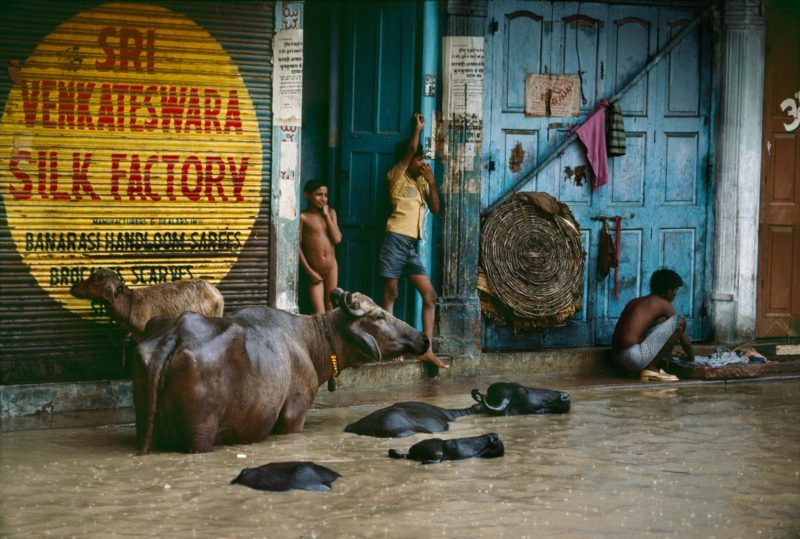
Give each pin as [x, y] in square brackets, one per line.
[65, 397]
[44, 401]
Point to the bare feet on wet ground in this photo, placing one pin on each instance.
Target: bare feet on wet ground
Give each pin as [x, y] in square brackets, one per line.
[428, 357]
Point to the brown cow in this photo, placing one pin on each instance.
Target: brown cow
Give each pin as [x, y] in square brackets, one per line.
[205, 381]
[133, 308]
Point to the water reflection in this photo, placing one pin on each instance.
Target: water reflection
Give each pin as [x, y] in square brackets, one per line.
[698, 461]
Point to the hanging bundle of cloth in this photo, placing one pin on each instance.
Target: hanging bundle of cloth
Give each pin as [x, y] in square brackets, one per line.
[615, 131]
[607, 252]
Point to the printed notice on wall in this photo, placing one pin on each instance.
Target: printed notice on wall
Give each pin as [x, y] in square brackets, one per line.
[463, 75]
[287, 170]
[462, 107]
[287, 82]
[552, 95]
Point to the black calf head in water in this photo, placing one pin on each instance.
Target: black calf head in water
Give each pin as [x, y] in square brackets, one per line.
[280, 476]
[406, 418]
[510, 398]
[486, 446]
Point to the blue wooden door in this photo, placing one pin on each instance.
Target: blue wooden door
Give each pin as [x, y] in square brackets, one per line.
[659, 187]
[378, 64]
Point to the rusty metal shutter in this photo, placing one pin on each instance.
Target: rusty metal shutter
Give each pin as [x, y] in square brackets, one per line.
[135, 136]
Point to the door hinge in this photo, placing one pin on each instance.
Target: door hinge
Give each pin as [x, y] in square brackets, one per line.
[493, 27]
[491, 166]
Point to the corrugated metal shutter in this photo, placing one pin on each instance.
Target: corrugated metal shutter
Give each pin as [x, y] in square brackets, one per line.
[134, 136]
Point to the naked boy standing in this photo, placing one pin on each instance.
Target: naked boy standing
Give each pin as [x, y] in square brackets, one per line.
[319, 236]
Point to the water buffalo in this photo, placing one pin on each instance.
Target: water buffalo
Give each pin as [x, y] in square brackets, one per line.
[510, 398]
[203, 381]
[279, 476]
[486, 446]
[407, 418]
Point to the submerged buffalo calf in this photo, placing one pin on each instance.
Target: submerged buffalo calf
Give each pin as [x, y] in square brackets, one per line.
[203, 381]
[486, 446]
[279, 476]
[406, 418]
[510, 398]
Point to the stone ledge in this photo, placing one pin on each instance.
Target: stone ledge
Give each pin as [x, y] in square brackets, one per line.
[43, 399]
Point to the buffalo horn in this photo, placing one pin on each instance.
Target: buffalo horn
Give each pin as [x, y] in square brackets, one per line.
[337, 297]
[499, 409]
[347, 305]
[342, 299]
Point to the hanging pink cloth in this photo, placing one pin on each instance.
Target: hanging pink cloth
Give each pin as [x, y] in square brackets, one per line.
[592, 133]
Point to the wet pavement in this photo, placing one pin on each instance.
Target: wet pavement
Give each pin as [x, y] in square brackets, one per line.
[690, 459]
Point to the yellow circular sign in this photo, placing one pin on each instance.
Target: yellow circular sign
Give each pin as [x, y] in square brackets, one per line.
[130, 141]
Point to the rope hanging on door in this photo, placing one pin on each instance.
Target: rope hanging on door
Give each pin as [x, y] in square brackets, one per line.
[532, 262]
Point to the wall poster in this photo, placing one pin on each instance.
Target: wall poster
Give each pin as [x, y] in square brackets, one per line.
[462, 111]
[552, 95]
[129, 141]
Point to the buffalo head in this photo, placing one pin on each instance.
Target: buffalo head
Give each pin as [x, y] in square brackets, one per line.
[376, 332]
[510, 398]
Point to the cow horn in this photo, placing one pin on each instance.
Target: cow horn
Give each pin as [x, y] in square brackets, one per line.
[348, 306]
[337, 297]
[500, 409]
[342, 299]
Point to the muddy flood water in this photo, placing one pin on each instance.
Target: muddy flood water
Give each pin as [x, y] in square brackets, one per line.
[720, 460]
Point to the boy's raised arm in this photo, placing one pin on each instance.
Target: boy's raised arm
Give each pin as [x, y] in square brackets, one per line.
[413, 142]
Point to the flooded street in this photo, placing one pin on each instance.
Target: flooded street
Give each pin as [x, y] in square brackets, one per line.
[696, 461]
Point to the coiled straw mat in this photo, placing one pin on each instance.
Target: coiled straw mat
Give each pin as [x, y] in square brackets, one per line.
[532, 256]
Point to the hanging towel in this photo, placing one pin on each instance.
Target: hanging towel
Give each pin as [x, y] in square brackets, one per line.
[607, 254]
[616, 131]
[592, 133]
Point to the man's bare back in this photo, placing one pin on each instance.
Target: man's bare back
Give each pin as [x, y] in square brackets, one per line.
[638, 317]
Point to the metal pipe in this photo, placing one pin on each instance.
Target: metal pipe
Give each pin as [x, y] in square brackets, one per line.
[333, 102]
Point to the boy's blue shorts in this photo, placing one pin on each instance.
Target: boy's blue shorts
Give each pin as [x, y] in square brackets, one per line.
[398, 257]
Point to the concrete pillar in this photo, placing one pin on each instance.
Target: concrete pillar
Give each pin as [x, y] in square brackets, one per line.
[459, 321]
[736, 203]
[286, 191]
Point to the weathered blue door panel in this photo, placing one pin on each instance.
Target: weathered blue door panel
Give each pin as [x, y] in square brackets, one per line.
[377, 102]
[659, 188]
[521, 46]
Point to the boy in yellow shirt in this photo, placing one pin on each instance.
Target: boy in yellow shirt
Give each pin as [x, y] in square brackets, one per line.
[411, 188]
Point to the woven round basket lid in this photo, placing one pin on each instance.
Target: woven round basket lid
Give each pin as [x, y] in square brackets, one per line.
[532, 254]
